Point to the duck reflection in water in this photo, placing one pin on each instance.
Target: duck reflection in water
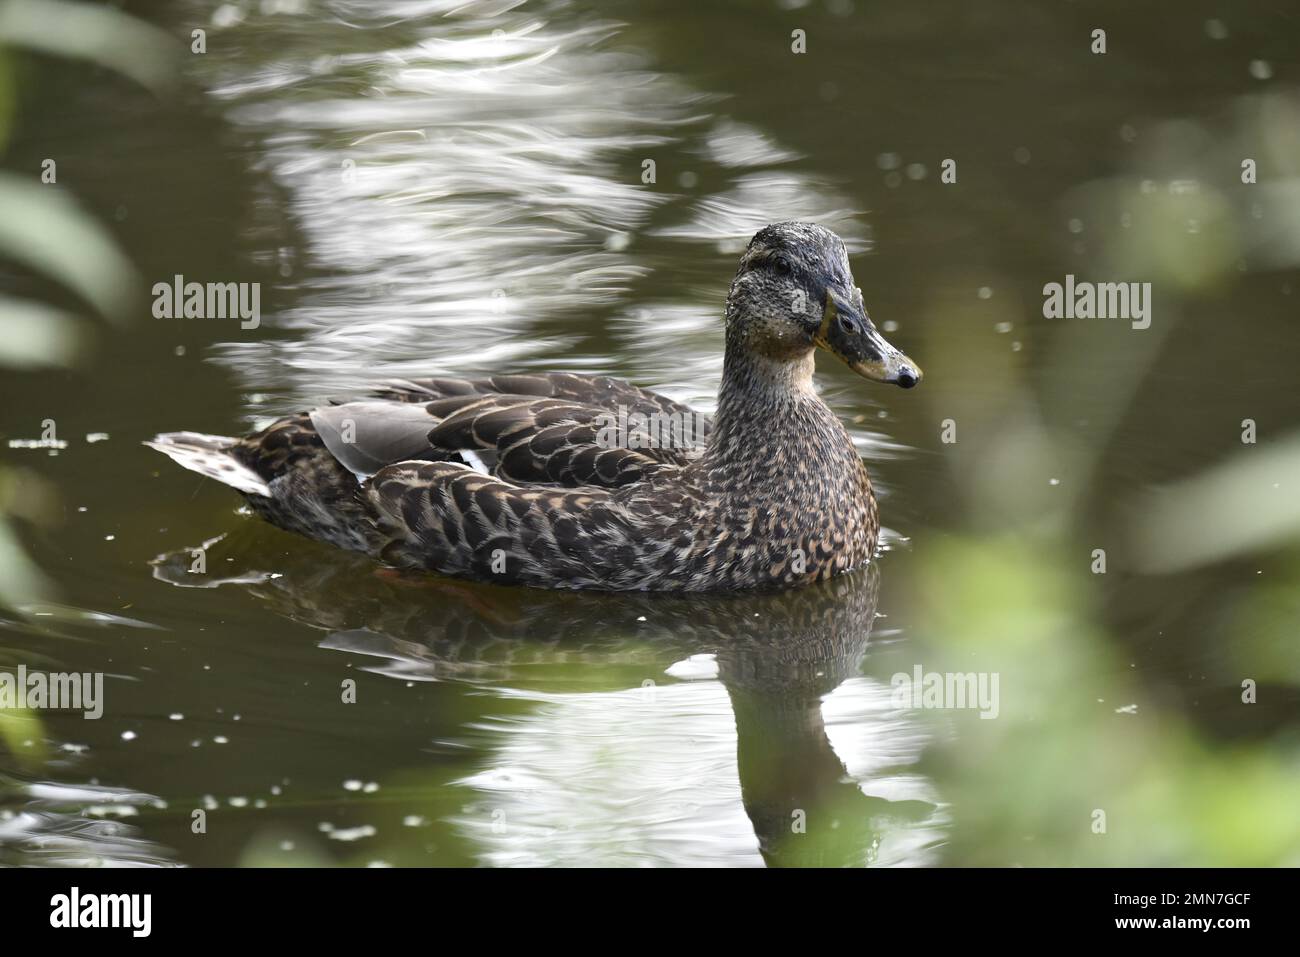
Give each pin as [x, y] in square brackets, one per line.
[824, 763]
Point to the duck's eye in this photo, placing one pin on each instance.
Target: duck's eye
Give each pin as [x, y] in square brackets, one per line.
[848, 325]
[782, 266]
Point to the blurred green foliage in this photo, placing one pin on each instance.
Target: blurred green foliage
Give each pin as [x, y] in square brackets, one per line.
[1029, 788]
[45, 230]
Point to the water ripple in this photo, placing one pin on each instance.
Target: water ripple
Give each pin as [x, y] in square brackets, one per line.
[470, 197]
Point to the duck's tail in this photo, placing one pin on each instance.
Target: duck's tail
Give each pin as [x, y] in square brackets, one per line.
[213, 456]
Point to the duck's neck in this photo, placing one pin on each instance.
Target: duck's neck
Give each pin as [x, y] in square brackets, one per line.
[770, 416]
[752, 380]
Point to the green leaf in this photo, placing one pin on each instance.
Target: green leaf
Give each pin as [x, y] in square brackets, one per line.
[45, 230]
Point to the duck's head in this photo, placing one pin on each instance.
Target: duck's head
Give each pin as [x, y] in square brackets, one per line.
[794, 291]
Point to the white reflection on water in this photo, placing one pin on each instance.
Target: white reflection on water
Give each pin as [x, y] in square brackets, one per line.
[755, 199]
[60, 825]
[614, 779]
[650, 777]
[876, 742]
[469, 194]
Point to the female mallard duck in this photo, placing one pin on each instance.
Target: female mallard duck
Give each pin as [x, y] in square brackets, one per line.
[775, 496]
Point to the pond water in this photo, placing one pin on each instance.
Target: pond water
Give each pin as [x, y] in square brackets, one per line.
[1073, 507]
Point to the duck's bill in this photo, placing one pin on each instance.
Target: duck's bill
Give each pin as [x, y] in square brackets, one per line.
[861, 346]
[896, 368]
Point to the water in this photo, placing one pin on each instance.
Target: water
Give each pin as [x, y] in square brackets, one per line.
[438, 187]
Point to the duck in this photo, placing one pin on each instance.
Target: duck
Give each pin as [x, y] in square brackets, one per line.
[575, 481]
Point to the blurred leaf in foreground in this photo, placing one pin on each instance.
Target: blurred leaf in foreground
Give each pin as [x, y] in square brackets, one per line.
[1247, 503]
[45, 230]
[37, 335]
[94, 32]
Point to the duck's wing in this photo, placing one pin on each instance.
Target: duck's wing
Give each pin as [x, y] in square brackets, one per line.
[556, 428]
[365, 436]
[457, 521]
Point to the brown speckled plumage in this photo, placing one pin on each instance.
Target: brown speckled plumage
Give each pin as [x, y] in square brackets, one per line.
[775, 496]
